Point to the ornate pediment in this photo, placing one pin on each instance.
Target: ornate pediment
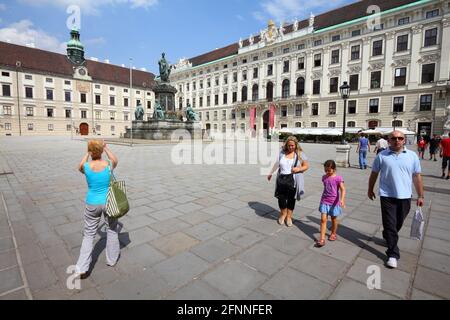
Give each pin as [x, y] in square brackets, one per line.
[316, 74]
[376, 66]
[429, 58]
[401, 63]
[354, 69]
[334, 72]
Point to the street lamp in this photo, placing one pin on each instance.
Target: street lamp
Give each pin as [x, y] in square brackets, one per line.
[395, 115]
[345, 93]
[131, 101]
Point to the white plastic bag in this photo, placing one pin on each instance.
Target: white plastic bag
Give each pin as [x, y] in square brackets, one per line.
[417, 225]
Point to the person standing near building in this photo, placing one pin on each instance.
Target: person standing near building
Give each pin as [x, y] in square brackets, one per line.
[434, 145]
[445, 155]
[421, 145]
[381, 145]
[291, 164]
[398, 169]
[362, 149]
[98, 174]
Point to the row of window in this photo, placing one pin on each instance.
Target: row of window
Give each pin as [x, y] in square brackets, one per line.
[29, 112]
[427, 76]
[6, 91]
[431, 36]
[350, 124]
[50, 127]
[430, 39]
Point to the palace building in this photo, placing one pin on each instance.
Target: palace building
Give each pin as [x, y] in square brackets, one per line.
[46, 93]
[397, 63]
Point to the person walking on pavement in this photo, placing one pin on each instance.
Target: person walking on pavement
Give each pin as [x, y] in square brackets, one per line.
[398, 169]
[291, 164]
[381, 145]
[362, 149]
[445, 155]
[434, 146]
[98, 174]
[421, 145]
[332, 201]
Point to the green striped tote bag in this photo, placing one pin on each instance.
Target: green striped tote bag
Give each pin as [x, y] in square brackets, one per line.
[116, 199]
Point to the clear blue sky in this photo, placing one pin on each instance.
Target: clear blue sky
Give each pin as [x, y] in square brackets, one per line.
[142, 29]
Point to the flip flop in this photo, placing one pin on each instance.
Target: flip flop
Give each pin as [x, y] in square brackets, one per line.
[320, 243]
[332, 237]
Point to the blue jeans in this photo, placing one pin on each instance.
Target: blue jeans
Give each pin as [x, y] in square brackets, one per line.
[362, 159]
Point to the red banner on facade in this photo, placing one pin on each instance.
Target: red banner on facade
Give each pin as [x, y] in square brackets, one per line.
[272, 116]
[252, 118]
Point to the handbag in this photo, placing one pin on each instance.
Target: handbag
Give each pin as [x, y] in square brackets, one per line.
[286, 182]
[417, 225]
[116, 199]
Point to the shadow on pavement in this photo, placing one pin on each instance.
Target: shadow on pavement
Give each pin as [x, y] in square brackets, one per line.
[357, 238]
[124, 240]
[263, 210]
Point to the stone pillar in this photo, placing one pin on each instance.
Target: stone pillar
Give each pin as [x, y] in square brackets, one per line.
[365, 73]
[343, 155]
[308, 67]
[388, 52]
[444, 69]
[416, 44]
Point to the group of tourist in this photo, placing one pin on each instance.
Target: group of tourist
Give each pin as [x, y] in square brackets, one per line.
[397, 167]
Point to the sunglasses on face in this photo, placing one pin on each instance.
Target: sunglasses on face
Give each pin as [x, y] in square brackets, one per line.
[397, 138]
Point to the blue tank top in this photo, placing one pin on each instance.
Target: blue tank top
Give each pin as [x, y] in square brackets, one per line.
[98, 183]
[363, 143]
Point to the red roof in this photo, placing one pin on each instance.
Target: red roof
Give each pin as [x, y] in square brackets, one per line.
[46, 62]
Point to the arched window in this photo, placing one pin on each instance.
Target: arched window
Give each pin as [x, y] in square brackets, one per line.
[372, 124]
[313, 124]
[224, 128]
[397, 123]
[242, 127]
[298, 124]
[300, 86]
[351, 124]
[269, 91]
[255, 92]
[180, 103]
[331, 124]
[244, 94]
[285, 89]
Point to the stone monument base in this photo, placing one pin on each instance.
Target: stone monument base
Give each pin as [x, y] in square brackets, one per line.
[343, 155]
[164, 130]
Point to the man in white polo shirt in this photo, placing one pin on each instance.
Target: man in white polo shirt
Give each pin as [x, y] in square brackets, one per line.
[398, 168]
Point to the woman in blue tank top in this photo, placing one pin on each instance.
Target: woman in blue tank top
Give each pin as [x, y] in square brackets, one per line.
[98, 175]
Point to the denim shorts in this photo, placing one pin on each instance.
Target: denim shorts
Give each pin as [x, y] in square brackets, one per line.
[330, 210]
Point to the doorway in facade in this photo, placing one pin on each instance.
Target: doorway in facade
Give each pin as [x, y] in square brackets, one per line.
[424, 130]
[84, 129]
[266, 123]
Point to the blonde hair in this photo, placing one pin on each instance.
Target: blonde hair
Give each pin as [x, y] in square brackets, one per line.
[95, 147]
[298, 148]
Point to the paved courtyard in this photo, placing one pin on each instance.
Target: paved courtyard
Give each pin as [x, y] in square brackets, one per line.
[205, 231]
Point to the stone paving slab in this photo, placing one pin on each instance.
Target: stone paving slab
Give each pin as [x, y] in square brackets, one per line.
[217, 238]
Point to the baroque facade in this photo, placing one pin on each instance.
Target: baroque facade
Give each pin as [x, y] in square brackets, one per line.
[46, 93]
[397, 63]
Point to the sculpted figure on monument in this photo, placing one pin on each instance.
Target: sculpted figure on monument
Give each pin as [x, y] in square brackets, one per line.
[139, 112]
[159, 112]
[191, 115]
[164, 68]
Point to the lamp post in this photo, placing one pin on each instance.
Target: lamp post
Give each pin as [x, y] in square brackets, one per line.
[345, 93]
[395, 115]
[131, 102]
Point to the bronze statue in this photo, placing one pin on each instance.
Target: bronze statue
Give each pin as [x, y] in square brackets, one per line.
[159, 112]
[191, 115]
[164, 69]
[139, 112]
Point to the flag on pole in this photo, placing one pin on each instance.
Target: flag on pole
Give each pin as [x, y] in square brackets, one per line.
[271, 115]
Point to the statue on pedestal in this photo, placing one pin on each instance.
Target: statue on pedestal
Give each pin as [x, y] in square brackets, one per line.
[164, 68]
[139, 112]
[159, 112]
[191, 115]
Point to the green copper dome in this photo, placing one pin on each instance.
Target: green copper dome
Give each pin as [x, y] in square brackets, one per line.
[75, 49]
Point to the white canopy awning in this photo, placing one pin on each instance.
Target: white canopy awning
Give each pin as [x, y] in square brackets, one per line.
[320, 131]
